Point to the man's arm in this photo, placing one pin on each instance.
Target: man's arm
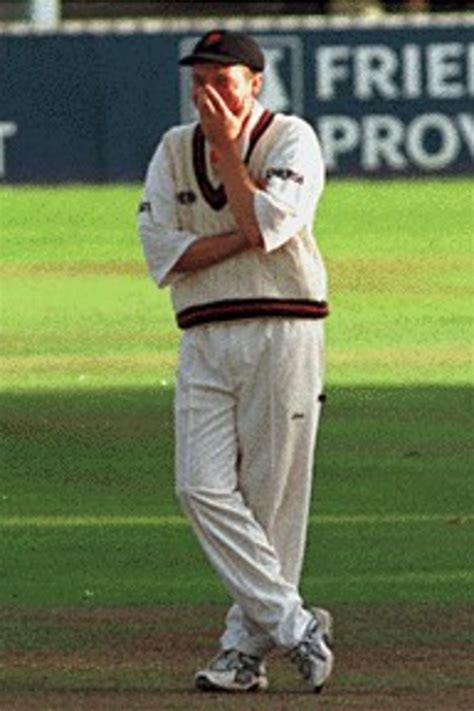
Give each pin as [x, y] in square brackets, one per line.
[212, 249]
[222, 130]
[240, 190]
[273, 212]
[170, 251]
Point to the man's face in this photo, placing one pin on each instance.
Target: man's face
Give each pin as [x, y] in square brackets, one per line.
[236, 84]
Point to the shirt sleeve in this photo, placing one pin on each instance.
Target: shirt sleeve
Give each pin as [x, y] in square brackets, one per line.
[162, 240]
[293, 175]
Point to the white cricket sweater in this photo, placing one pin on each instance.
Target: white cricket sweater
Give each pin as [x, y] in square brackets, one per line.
[183, 201]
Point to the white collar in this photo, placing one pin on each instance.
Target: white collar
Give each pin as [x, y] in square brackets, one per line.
[255, 114]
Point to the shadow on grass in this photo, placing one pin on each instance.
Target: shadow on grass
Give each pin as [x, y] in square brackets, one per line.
[120, 441]
[108, 455]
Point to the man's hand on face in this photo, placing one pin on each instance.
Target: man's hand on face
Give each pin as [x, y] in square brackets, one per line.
[220, 125]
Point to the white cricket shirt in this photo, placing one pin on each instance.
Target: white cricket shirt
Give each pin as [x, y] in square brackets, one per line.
[183, 200]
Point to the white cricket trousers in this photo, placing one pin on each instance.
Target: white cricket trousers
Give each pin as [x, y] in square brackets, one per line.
[247, 409]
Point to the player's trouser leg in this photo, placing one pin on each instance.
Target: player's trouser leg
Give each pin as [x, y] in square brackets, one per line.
[278, 488]
[236, 378]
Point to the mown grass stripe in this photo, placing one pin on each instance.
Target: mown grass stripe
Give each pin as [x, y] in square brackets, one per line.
[178, 521]
[443, 576]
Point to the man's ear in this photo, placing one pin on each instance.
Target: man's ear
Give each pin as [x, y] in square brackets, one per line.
[257, 82]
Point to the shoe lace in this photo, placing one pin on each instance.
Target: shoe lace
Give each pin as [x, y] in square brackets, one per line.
[250, 663]
[248, 668]
[309, 646]
[233, 659]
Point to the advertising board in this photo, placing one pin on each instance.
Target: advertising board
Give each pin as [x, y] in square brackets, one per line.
[386, 99]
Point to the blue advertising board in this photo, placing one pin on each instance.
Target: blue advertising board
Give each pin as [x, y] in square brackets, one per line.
[387, 99]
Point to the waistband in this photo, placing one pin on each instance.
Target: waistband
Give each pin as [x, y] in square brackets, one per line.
[233, 309]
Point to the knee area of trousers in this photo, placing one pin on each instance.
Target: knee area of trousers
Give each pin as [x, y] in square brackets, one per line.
[187, 493]
[195, 496]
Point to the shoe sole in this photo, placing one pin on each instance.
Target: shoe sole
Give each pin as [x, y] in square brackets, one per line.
[203, 683]
[318, 689]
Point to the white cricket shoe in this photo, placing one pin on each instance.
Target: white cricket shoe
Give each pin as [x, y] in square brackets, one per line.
[232, 670]
[313, 655]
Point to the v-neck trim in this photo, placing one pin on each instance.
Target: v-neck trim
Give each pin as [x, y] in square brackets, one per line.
[216, 196]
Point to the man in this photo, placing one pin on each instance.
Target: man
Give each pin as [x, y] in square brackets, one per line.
[226, 221]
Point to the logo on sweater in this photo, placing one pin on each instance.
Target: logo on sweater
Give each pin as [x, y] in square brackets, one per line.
[186, 197]
[285, 174]
[283, 86]
[144, 206]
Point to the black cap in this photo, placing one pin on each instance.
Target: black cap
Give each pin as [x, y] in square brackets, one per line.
[226, 47]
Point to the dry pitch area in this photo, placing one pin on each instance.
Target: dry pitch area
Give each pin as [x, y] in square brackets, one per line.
[402, 657]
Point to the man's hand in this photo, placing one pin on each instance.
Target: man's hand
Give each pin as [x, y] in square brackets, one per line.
[221, 127]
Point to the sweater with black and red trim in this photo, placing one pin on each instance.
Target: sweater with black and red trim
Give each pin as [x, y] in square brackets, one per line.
[183, 196]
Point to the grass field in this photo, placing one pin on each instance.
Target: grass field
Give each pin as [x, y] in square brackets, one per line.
[93, 546]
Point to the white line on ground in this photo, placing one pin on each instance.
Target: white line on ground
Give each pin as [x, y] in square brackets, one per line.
[178, 521]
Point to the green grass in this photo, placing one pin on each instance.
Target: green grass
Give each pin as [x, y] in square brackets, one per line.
[89, 351]
[88, 501]
[400, 264]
